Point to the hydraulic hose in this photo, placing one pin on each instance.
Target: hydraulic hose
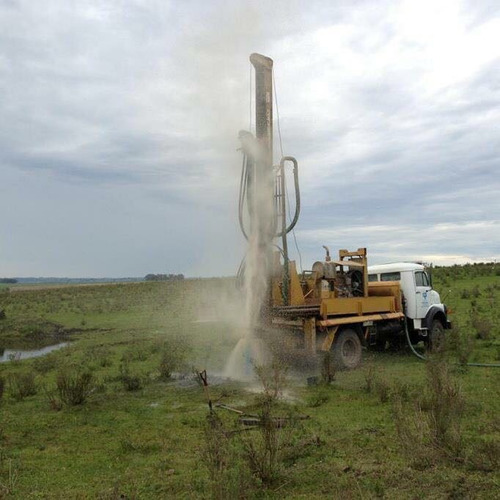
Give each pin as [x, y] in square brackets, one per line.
[297, 191]
[243, 193]
[247, 166]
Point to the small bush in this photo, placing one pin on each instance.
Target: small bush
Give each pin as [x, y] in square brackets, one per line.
[266, 451]
[52, 400]
[74, 388]
[401, 391]
[461, 344]
[369, 376]
[130, 382]
[483, 327]
[429, 427]
[22, 385]
[45, 364]
[485, 456]
[137, 353]
[273, 378]
[100, 355]
[383, 390]
[318, 399]
[172, 356]
[445, 405]
[217, 456]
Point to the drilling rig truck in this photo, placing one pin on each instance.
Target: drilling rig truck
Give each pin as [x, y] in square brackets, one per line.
[340, 305]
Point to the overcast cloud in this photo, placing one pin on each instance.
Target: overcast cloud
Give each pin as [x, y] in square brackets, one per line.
[119, 122]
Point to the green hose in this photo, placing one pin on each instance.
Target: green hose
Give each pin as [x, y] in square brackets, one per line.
[497, 365]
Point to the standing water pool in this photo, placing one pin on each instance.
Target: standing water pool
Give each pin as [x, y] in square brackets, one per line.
[17, 354]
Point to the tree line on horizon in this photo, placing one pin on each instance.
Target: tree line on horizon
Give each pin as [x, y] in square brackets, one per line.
[163, 277]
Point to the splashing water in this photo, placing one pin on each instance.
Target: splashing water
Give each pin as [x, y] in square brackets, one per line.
[249, 352]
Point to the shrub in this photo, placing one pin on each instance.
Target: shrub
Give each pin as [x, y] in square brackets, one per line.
[137, 353]
[130, 382]
[266, 450]
[318, 399]
[273, 378]
[172, 356]
[445, 405]
[429, 427]
[483, 327]
[460, 343]
[485, 456]
[263, 450]
[73, 387]
[45, 364]
[217, 456]
[22, 385]
[100, 355]
[369, 376]
[383, 389]
[52, 400]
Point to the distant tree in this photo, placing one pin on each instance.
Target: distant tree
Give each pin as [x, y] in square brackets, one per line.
[8, 280]
[163, 277]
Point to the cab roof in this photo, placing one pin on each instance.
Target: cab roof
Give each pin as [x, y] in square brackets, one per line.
[395, 267]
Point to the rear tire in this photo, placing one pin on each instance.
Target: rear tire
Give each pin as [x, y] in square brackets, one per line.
[347, 350]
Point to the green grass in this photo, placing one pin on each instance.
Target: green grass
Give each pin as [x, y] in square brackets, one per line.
[147, 443]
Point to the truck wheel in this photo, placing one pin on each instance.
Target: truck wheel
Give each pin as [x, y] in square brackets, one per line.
[347, 350]
[436, 336]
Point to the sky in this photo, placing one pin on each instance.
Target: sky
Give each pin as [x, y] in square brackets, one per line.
[119, 124]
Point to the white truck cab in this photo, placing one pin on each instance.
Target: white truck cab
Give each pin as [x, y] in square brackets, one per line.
[423, 308]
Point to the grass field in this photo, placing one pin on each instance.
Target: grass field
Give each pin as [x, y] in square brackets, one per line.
[396, 428]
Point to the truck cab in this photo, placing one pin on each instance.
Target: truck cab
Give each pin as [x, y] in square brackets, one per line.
[426, 315]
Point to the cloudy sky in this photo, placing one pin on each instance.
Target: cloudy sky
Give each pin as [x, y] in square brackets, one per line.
[119, 122]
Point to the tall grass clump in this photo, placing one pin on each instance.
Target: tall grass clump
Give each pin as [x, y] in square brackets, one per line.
[429, 425]
[483, 326]
[130, 381]
[268, 448]
[445, 404]
[2, 387]
[461, 344]
[99, 355]
[238, 461]
[22, 385]
[173, 353]
[74, 387]
[228, 476]
[45, 364]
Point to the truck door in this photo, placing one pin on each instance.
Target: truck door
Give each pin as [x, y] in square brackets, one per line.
[422, 291]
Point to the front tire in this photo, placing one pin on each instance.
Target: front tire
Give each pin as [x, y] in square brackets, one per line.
[347, 350]
[436, 337]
